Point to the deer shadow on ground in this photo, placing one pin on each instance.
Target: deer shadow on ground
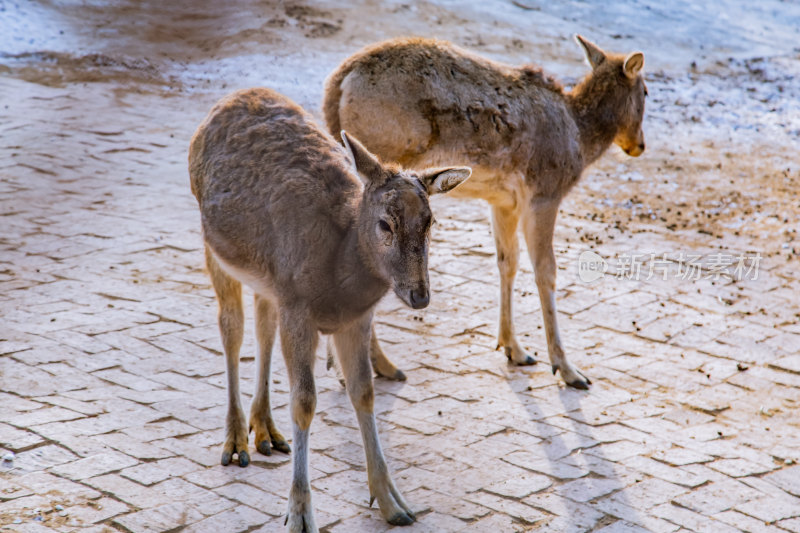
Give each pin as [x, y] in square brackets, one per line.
[571, 453]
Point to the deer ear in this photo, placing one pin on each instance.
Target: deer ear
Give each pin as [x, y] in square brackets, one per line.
[594, 54]
[438, 180]
[633, 64]
[367, 166]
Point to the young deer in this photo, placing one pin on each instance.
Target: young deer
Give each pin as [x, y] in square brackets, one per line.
[419, 102]
[320, 238]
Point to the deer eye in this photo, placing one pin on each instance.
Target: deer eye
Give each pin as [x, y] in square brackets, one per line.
[385, 226]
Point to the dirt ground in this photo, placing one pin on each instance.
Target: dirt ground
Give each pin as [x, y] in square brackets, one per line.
[112, 394]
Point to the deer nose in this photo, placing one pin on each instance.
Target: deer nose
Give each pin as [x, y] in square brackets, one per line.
[419, 298]
[641, 146]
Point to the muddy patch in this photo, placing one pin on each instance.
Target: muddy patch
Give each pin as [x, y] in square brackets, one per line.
[56, 69]
[315, 23]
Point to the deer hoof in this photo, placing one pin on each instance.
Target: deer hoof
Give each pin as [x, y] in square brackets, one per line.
[582, 384]
[264, 448]
[398, 375]
[574, 378]
[527, 360]
[401, 519]
[244, 458]
[281, 446]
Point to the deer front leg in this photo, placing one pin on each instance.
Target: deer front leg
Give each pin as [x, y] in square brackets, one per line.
[504, 229]
[299, 342]
[267, 435]
[352, 346]
[231, 328]
[539, 227]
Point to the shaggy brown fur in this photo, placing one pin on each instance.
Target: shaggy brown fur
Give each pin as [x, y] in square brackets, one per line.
[320, 233]
[421, 101]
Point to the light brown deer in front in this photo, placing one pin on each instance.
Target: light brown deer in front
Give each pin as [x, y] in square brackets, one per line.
[420, 102]
[320, 234]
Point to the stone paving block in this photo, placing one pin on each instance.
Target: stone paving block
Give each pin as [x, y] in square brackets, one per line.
[127, 380]
[26, 381]
[497, 522]
[578, 515]
[205, 501]
[360, 522]
[95, 511]
[16, 404]
[537, 463]
[648, 493]
[789, 363]
[9, 490]
[163, 518]
[159, 430]
[746, 523]
[519, 487]
[16, 439]
[771, 508]
[157, 471]
[43, 416]
[677, 456]
[620, 526]
[95, 465]
[617, 507]
[787, 479]
[514, 509]
[127, 491]
[134, 448]
[662, 471]
[792, 524]
[249, 495]
[72, 404]
[445, 503]
[240, 519]
[58, 489]
[718, 496]
[740, 467]
[588, 488]
[330, 510]
[41, 458]
[691, 520]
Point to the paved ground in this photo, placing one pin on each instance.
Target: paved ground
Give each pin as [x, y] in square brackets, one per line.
[112, 397]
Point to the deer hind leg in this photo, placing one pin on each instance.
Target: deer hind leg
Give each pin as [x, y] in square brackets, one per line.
[231, 328]
[352, 346]
[267, 435]
[381, 364]
[504, 227]
[539, 227]
[299, 342]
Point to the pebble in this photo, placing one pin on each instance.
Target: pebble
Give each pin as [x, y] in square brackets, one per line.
[59, 507]
[7, 458]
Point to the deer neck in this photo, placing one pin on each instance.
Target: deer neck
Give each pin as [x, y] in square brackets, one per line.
[358, 277]
[593, 107]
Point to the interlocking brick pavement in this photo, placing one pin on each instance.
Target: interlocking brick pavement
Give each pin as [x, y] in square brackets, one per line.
[112, 386]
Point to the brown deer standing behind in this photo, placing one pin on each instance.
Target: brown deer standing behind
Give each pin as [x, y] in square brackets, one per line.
[420, 102]
[284, 211]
